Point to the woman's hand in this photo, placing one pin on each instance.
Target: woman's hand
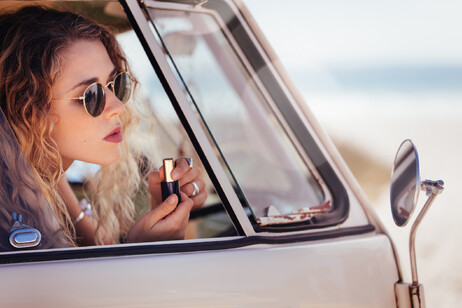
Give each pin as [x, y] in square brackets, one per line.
[167, 221]
[188, 177]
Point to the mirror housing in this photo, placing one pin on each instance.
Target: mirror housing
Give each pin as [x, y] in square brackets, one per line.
[405, 182]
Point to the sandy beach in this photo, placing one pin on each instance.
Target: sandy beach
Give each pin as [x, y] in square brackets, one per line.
[376, 135]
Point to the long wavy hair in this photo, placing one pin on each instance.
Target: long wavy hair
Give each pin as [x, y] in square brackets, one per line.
[32, 40]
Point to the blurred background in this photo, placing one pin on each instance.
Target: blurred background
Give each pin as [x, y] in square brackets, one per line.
[375, 73]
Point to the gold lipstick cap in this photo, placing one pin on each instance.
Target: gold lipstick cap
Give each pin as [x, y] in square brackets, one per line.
[168, 168]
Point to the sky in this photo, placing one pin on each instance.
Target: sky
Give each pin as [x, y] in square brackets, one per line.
[362, 31]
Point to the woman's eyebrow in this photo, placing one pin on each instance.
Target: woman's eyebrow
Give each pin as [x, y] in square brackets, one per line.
[112, 74]
[94, 79]
[84, 83]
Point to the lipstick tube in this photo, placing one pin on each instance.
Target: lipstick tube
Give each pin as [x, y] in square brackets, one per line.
[169, 186]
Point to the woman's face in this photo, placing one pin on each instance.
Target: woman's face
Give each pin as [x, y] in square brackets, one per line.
[78, 135]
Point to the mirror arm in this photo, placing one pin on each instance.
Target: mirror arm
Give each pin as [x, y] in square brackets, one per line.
[432, 189]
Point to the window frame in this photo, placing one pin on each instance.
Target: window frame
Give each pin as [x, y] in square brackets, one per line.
[175, 247]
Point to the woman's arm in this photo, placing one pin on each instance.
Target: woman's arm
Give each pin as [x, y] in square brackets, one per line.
[166, 221]
[85, 228]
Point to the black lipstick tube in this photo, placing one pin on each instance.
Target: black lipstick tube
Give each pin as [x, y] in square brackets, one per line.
[169, 186]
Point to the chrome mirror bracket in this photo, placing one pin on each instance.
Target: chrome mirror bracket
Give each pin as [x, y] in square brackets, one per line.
[415, 292]
[432, 189]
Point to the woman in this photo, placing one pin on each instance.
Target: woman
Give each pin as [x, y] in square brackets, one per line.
[65, 89]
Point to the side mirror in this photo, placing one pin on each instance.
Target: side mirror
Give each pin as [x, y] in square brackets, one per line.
[405, 182]
[404, 192]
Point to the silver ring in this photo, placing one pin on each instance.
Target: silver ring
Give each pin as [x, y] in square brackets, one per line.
[190, 161]
[196, 189]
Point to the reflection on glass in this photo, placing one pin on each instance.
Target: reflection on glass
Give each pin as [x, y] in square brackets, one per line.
[266, 169]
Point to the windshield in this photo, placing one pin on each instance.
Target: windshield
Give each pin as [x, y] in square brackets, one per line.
[267, 171]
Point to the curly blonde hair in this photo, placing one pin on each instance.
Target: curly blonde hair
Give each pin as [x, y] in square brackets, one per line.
[31, 43]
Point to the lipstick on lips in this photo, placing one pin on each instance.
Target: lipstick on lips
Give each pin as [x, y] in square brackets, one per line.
[114, 136]
[169, 186]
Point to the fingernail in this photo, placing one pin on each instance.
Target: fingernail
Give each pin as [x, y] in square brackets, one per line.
[174, 175]
[171, 199]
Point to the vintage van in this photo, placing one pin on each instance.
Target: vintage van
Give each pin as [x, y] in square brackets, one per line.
[285, 223]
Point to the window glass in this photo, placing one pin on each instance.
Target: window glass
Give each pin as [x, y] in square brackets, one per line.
[264, 166]
[170, 139]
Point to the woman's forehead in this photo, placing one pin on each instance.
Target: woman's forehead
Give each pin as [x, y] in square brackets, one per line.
[87, 56]
[85, 59]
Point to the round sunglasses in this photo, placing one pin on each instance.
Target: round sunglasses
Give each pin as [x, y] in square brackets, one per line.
[94, 96]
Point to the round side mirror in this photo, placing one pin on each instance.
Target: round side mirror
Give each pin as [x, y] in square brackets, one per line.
[405, 183]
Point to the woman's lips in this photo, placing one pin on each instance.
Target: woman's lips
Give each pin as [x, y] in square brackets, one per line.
[114, 136]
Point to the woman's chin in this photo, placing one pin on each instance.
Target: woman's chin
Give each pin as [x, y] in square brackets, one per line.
[110, 160]
[107, 159]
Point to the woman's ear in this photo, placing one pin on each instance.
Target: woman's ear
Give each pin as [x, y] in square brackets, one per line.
[53, 118]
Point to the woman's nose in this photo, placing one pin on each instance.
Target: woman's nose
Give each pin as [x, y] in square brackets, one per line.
[114, 106]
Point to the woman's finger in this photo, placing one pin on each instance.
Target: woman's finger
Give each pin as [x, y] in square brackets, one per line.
[189, 190]
[151, 227]
[198, 197]
[154, 177]
[154, 180]
[181, 168]
[199, 200]
[185, 205]
[162, 210]
[181, 214]
[191, 176]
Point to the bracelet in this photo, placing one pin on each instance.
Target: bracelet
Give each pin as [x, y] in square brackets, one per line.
[79, 218]
[86, 210]
[85, 207]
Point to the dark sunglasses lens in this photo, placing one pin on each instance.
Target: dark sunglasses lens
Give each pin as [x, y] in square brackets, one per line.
[123, 87]
[95, 99]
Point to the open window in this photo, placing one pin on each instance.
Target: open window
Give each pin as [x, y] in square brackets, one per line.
[22, 202]
[164, 131]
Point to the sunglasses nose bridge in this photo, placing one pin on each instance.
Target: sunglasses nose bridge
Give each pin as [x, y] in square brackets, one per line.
[113, 104]
[110, 85]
